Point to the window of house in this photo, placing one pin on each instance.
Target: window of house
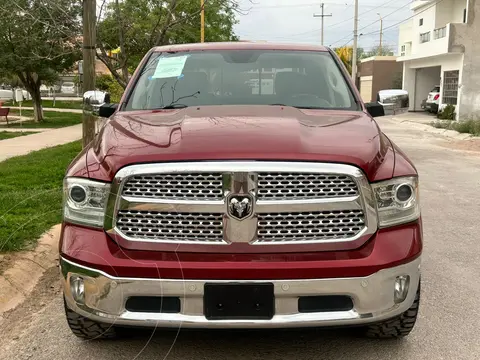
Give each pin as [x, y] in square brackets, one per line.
[464, 15]
[440, 33]
[424, 37]
[421, 22]
[450, 87]
[402, 51]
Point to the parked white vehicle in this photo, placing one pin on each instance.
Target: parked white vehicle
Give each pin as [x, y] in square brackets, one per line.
[68, 88]
[433, 100]
[6, 94]
[10, 94]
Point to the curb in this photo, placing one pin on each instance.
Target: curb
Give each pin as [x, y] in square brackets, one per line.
[27, 268]
[430, 129]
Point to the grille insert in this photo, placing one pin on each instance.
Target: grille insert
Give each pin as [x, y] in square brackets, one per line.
[163, 226]
[285, 186]
[309, 226]
[180, 186]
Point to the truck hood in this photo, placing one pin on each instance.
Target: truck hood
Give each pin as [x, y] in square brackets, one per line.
[239, 133]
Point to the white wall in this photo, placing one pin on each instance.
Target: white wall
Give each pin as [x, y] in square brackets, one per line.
[457, 13]
[434, 17]
[405, 35]
[426, 79]
[446, 62]
[443, 13]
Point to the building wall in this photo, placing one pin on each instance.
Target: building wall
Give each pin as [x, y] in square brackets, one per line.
[382, 71]
[425, 79]
[443, 13]
[446, 62]
[405, 37]
[435, 16]
[464, 38]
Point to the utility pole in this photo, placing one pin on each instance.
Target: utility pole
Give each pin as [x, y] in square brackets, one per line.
[89, 41]
[322, 15]
[202, 21]
[381, 34]
[355, 44]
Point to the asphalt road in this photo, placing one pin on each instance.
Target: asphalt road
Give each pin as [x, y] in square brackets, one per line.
[449, 321]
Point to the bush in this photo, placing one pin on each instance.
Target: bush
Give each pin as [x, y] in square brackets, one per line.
[465, 127]
[448, 113]
[108, 84]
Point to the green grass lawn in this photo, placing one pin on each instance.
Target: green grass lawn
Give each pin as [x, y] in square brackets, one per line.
[60, 104]
[31, 194]
[4, 135]
[52, 120]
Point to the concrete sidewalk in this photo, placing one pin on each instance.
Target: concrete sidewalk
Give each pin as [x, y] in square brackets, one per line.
[25, 144]
[76, 111]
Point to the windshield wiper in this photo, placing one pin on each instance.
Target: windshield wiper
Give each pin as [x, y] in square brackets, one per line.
[172, 106]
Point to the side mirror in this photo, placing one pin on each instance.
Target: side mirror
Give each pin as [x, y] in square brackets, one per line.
[394, 102]
[375, 109]
[107, 110]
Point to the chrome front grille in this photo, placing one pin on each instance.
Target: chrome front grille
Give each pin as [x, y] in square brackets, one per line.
[309, 226]
[287, 203]
[166, 226]
[198, 186]
[285, 186]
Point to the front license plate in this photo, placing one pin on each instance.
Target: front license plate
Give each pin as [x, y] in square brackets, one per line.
[239, 301]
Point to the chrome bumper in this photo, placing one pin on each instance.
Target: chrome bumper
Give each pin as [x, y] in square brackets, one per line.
[373, 299]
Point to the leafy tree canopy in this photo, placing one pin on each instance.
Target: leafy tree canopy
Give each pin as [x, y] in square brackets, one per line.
[132, 27]
[38, 40]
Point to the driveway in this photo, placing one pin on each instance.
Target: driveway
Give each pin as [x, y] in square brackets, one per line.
[448, 326]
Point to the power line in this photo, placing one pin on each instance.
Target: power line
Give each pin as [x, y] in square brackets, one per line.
[338, 23]
[410, 17]
[393, 12]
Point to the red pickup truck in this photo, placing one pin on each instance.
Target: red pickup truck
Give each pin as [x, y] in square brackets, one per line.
[241, 185]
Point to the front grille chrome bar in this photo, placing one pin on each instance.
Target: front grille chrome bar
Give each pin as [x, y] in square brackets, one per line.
[350, 192]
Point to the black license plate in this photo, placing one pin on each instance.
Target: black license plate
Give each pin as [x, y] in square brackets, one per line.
[239, 301]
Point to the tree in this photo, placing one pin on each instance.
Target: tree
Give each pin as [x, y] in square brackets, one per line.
[38, 41]
[345, 54]
[375, 51]
[128, 29]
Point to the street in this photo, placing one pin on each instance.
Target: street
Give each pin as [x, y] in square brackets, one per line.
[447, 328]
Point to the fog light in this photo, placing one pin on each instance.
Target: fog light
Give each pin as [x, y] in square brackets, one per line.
[77, 287]
[402, 283]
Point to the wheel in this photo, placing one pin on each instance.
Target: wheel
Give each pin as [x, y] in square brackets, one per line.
[397, 327]
[88, 329]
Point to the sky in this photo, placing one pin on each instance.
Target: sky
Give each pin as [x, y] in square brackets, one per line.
[293, 21]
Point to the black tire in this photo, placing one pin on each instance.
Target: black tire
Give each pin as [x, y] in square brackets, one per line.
[87, 329]
[397, 327]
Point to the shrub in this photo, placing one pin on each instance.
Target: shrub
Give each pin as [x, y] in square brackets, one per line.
[448, 113]
[466, 127]
[108, 84]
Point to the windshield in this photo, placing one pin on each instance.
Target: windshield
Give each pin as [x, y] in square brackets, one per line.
[68, 84]
[241, 77]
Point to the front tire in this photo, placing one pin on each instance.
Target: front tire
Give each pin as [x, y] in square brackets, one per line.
[397, 327]
[87, 329]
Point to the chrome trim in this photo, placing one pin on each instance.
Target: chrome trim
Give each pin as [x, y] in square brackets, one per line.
[373, 298]
[241, 178]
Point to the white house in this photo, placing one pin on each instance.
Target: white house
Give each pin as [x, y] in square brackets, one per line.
[438, 46]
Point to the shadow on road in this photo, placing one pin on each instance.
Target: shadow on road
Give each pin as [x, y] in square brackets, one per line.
[248, 344]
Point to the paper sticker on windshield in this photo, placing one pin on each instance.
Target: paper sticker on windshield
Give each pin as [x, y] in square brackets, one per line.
[168, 67]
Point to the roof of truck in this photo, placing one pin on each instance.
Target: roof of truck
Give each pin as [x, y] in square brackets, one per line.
[241, 45]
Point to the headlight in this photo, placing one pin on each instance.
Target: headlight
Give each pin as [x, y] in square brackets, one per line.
[397, 201]
[85, 201]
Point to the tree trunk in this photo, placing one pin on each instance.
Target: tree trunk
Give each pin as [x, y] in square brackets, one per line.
[37, 103]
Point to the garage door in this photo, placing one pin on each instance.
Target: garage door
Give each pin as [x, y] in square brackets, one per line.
[366, 83]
